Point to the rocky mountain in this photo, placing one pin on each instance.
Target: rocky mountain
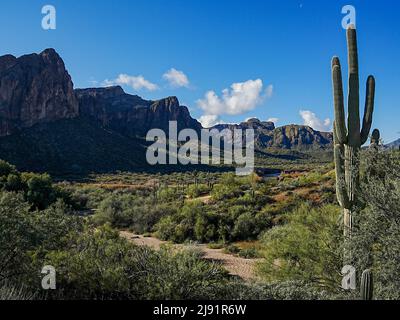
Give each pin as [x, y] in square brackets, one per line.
[131, 115]
[34, 89]
[37, 88]
[294, 137]
[394, 144]
[47, 125]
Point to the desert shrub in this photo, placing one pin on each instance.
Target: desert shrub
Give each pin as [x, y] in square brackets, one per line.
[288, 290]
[167, 195]
[215, 245]
[6, 169]
[181, 226]
[16, 231]
[94, 267]
[166, 228]
[13, 292]
[87, 197]
[229, 188]
[245, 227]
[376, 236]
[26, 236]
[205, 229]
[221, 222]
[129, 211]
[232, 249]
[38, 189]
[305, 248]
[195, 191]
[113, 210]
[249, 253]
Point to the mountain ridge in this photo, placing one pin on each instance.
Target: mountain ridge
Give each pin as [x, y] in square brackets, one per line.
[290, 136]
[38, 101]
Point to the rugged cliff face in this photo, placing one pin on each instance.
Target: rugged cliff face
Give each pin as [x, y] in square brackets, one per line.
[287, 137]
[34, 88]
[37, 88]
[301, 137]
[131, 115]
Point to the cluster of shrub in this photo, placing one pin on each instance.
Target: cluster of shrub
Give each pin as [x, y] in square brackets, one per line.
[237, 209]
[38, 228]
[234, 212]
[300, 242]
[309, 246]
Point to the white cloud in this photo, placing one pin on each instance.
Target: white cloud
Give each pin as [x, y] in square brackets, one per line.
[274, 120]
[208, 121]
[240, 98]
[135, 82]
[310, 119]
[176, 78]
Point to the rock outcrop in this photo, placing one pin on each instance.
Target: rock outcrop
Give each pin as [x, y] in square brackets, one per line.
[131, 115]
[287, 137]
[34, 88]
[301, 138]
[37, 88]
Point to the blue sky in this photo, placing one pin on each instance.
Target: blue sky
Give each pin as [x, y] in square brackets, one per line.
[276, 52]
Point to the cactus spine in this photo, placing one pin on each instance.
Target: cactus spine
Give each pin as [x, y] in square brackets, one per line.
[348, 140]
[367, 285]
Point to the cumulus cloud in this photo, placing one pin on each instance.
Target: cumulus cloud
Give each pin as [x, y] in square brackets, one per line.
[240, 98]
[176, 78]
[135, 82]
[208, 121]
[310, 119]
[274, 120]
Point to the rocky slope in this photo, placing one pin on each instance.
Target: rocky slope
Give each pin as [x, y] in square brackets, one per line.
[295, 137]
[394, 144]
[34, 89]
[131, 115]
[37, 88]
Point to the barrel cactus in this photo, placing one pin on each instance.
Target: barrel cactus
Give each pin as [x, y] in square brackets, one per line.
[367, 285]
[349, 139]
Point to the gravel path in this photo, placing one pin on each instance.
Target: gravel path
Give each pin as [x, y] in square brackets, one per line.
[236, 266]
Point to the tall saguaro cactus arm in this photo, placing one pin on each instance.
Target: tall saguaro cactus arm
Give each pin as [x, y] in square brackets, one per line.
[369, 109]
[341, 190]
[354, 88]
[340, 124]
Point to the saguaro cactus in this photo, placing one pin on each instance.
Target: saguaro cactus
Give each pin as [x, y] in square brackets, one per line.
[375, 139]
[367, 285]
[348, 140]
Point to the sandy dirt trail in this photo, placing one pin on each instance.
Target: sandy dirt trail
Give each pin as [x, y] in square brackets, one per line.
[236, 266]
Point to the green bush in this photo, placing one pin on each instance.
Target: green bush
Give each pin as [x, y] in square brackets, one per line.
[376, 235]
[249, 253]
[306, 248]
[195, 191]
[129, 211]
[93, 267]
[26, 236]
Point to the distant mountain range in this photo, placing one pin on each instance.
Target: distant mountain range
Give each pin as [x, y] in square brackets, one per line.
[47, 125]
[394, 144]
[294, 137]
